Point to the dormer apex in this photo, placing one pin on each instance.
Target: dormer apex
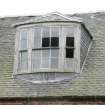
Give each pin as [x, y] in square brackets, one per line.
[50, 17]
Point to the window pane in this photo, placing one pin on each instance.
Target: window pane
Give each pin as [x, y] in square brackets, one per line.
[46, 53]
[54, 32]
[46, 32]
[45, 42]
[37, 38]
[54, 53]
[45, 58]
[69, 31]
[70, 41]
[69, 53]
[45, 63]
[68, 64]
[23, 40]
[54, 63]
[36, 59]
[54, 41]
[23, 61]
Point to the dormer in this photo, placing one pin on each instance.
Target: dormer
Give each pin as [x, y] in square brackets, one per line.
[53, 43]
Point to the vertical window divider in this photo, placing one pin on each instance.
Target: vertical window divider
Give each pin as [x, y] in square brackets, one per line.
[29, 49]
[50, 50]
[20, 60]
[41, 45]
[19, 41]
[59, 48]
[32, 46]
[19, 48]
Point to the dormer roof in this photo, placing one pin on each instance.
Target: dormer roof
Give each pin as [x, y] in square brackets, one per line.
[51, 17]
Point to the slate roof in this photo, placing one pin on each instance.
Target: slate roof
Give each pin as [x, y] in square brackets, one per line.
[91, 82]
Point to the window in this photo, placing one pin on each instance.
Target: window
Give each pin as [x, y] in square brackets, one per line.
[54, 41]
[50, 42]
[69, 53]
[42, 49]
[69, 47]
[54, 58]
[23, 60]
[37, 37]
[45, 52]
[36, 59]
[70, 41]
[45, 42]
[23, 40]
[23, 53]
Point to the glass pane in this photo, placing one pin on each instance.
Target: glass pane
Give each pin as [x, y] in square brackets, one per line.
[54, 41]
[68, 64]
[36, 59]
[45, 42]
[69, 53]
[54, 32]
[54, 63]
[68, 31]
[23, 60]
[23, 40]
[37, 38]
[54, 53]
[45, 63]
[46, 32]
[70, 41]
[45, 53]
[45, 58]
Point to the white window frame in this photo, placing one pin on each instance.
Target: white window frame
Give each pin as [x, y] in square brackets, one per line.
[41, 68]
[61, 56]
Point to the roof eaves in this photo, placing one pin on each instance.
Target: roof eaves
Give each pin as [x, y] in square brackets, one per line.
[69, 19]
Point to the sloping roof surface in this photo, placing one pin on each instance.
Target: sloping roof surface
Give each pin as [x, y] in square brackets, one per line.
[91, 81]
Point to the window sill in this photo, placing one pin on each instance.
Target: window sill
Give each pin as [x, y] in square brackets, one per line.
[33, 78]
[45, 48]
[45, 71]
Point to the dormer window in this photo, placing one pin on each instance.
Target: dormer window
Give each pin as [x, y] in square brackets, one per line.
[49, 46]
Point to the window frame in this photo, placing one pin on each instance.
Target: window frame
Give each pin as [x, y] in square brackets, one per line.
[30, 47]
[47, 48]
[20, 50]
[69, 47]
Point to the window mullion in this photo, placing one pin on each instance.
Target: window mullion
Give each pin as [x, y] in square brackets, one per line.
[41, 46]
[50, 50]
[59, 49]
[19, 53]
[29, 49]
[62, 50]
[32, 47]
